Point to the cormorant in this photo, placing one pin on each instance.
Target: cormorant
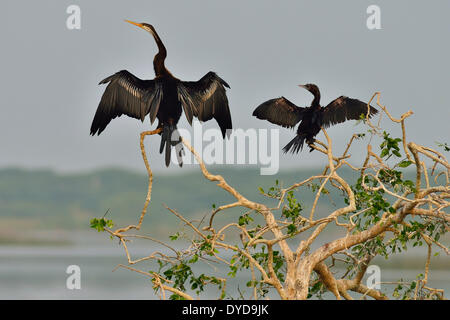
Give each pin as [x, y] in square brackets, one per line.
[282, 112]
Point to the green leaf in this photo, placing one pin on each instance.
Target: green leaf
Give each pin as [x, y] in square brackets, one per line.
[292, 228]
[405, 164]
[396, 153]
[174, 236]
[100, 224]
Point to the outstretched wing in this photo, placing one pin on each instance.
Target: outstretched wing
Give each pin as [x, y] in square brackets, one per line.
[206, 99]
[126, 94]
[345, 108]
[279, 111]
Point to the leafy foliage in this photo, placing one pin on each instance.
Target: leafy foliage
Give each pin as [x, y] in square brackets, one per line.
[444, 145]
[100, 224]
[389, 146]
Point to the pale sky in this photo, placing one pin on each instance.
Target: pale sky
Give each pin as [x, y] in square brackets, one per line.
[263, 49]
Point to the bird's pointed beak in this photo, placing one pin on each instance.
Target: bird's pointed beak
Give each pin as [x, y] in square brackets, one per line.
[135, 23]
[302, 86]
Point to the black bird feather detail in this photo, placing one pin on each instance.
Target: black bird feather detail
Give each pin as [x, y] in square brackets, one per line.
[126, 94]
[279, 111]
[206, 99]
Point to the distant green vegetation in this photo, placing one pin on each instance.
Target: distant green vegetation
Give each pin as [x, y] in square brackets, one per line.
[43, 199]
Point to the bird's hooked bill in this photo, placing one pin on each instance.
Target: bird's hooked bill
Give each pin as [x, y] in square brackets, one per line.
[135, 23]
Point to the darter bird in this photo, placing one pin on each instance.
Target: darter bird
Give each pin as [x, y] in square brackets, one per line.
[165, 98]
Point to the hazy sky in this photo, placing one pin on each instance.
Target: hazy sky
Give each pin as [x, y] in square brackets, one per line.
[263, 49]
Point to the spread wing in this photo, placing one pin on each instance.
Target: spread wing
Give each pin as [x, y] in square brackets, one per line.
[279, 111]
[345, 108]
[126, 94]
[206, 99]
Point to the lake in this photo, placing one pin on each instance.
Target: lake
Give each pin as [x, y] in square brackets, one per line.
[39, 272]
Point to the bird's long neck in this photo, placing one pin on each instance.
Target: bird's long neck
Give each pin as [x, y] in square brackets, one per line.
[316, 101]
[158, 60]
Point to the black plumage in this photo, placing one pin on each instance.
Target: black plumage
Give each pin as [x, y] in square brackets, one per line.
[163, 98]
[282, 112]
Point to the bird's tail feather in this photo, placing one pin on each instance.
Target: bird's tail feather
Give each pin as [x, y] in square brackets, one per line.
[295, 145]
[171, 137]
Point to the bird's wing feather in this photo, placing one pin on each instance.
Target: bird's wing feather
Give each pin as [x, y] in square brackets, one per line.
[279, 111]
[206, 99]
[345, 108]
[126, 94]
